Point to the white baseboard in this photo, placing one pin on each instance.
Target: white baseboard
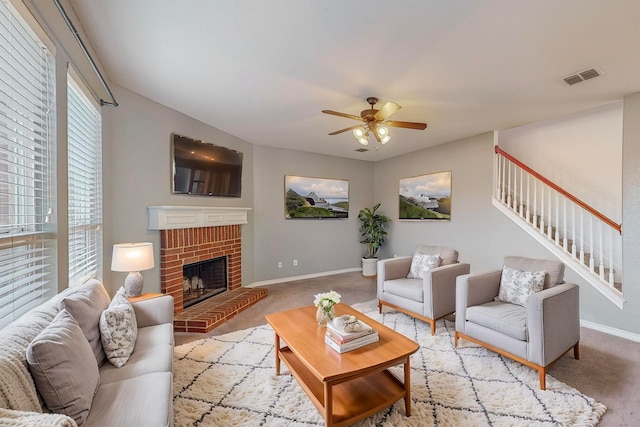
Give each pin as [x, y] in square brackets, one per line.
[611, 331]
[304, 276]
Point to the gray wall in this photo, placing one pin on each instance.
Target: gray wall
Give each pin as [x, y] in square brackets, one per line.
[480, 233]
[138, 174]
[318, 245]
[630, 320]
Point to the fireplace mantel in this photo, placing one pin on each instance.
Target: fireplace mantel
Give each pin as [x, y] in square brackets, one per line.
[178, 217]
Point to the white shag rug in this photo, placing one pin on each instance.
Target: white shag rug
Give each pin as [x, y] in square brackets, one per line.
[230, 380]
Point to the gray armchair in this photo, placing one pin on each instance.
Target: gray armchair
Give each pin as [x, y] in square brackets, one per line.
[536, 334]
[428, 298]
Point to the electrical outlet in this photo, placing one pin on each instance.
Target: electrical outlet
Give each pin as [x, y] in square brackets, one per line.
[279, 264]
[295, 262]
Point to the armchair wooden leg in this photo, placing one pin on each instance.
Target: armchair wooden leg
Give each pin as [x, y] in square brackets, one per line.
[379, 306]
[576, 351]
[456, 339]
[433, 327]
[542, 374]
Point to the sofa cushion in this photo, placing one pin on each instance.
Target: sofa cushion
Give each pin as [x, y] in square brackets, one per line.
[516, 285]
[118, 329]
[421, 263]
[554, 269]
[447, 255]
[86, 303]
[141, 401]
[143, 361]
[508, 319]
[155, 335]
[64, 368]
[405, 288]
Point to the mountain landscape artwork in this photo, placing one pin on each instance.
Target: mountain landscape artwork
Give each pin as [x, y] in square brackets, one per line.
[426, 197]
[316, 197]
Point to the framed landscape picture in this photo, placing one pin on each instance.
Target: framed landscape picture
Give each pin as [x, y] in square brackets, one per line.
[306, 197]
[426, 197]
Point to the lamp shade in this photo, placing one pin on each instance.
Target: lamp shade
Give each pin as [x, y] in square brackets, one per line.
[132, 257]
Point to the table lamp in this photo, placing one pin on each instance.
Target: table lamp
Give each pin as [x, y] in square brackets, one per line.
[134, 258]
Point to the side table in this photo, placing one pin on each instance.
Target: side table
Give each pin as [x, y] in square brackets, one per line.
[143, 297]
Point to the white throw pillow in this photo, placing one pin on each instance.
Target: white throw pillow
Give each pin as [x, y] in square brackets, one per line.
[516, 285]
[118, 329]
[63, 367]
[421, 263]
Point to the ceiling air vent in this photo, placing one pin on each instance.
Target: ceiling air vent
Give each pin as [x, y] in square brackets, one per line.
[362, 150]
[582, 76]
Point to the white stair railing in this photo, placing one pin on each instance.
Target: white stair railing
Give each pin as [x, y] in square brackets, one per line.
[572, 227]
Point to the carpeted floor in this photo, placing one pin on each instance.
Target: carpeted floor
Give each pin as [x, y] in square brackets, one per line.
[607, 371]
[230, 380]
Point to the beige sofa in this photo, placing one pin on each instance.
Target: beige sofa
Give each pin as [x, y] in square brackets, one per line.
[136, 394]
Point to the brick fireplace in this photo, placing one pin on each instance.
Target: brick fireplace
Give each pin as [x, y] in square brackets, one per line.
[192, 245]
[190, 235]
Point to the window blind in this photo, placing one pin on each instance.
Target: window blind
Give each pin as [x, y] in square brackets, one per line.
[85, 186]
[27, 172]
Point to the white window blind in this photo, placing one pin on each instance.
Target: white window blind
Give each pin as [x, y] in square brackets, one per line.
[27, 173]
[85, 186]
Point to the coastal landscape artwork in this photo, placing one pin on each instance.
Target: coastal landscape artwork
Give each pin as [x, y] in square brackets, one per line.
[426, 197]
[307, 197]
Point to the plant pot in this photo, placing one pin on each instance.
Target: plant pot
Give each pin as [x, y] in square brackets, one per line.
[369, 267]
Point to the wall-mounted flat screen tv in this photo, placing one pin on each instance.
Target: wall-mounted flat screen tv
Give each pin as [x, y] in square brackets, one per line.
[203, 169]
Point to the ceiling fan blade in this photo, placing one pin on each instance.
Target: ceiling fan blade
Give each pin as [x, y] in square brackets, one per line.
[345, 129]
[409, 125]
[336, 113]
[387, 109]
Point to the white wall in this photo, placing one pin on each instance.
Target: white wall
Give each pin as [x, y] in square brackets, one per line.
[319, 245]
[581, 152]
[138, 175]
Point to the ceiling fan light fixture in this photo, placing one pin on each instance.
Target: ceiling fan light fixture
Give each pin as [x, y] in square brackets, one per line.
[383, 134]
[375, 122]
[361, 135]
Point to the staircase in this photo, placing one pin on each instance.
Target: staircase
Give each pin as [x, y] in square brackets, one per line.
[584, 239]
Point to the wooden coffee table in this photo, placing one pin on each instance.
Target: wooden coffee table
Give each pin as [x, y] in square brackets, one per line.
[345, 387]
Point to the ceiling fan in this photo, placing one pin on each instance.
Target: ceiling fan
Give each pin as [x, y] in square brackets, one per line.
[375, 121]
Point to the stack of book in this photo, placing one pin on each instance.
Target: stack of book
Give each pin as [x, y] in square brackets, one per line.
[342, 341]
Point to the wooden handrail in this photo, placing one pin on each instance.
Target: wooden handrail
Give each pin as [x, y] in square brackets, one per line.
[560, 190]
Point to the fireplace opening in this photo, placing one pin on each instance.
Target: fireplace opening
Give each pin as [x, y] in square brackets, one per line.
[204, 279]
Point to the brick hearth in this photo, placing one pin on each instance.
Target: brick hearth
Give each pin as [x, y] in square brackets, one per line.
[214, 311]
[189, 245]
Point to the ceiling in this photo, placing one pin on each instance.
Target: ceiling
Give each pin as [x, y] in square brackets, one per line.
[264, 70]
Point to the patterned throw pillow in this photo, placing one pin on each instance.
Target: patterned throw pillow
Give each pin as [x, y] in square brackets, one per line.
[118, 329]
[421, 263]
[516, 286]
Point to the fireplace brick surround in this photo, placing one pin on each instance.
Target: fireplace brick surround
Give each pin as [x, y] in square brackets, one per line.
[189, 245]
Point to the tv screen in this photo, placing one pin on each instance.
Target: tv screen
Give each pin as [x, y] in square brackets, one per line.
[204, 169]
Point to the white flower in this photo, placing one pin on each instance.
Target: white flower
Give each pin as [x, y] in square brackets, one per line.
[326, 300]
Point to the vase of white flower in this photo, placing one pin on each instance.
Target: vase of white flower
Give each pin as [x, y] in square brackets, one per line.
[325, 302]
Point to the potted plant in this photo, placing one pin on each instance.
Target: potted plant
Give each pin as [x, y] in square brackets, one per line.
[372, 230]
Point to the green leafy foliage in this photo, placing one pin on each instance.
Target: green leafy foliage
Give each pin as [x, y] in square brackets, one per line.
[299, 207]
[312, 212]
[372, 229]
[409, 210]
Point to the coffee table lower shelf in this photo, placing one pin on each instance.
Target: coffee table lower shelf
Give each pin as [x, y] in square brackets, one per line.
[352, 399]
